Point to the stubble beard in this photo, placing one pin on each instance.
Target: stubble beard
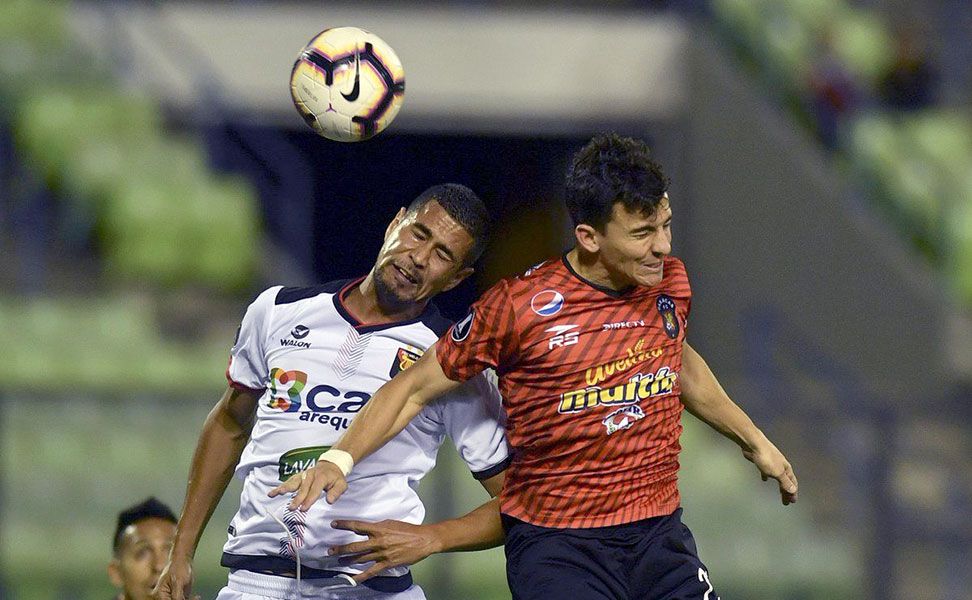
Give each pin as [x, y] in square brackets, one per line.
[388, 298]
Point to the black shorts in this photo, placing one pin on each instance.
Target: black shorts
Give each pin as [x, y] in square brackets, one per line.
[653, 559]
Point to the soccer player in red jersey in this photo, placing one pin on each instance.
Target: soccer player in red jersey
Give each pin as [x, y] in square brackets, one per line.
[594, 369]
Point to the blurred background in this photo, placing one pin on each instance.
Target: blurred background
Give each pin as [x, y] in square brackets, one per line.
[154, 177]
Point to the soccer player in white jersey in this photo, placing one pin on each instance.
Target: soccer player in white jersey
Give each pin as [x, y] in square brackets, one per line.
[304, 363]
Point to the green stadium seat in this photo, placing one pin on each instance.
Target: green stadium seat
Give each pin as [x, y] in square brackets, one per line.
[944, 138]
[32, 35]
[959, 230]
[863, 43]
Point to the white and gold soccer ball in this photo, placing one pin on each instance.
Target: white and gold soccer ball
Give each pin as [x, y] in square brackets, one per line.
[348, 84]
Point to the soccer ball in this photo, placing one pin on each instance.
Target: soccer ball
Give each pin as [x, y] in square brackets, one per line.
[348, 84]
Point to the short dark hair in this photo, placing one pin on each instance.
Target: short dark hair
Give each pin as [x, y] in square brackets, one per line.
[608, 170]
[147, 509]
[463, 205]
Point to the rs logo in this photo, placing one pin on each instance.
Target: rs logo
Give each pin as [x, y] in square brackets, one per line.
[563, 336]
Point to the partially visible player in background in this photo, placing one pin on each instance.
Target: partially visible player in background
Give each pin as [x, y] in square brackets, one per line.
[594, 369]
[140, 548]
[304, 363]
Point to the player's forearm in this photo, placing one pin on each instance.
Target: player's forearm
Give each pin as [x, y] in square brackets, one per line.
[703, 396]
[217, 453]
[477, 530]
[394, 405]
[381, 419]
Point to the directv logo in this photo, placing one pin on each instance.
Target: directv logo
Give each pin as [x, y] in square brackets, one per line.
[622, 325]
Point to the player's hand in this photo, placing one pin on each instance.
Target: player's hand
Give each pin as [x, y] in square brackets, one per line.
[389, 544]
[307, 486]
[175, 582]
[771, 463]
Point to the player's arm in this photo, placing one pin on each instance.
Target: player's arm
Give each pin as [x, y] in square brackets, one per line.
[224, 435]
[703, 396]
[395, 543]
[381, 419]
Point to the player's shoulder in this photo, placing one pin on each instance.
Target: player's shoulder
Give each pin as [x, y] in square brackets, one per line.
[278, 301]
[290, 295]
[675, 280]
[675, 267]
[433, 319]
[549, 273]
[541, 272]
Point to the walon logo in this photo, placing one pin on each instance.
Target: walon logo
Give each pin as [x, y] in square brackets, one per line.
[298, 333]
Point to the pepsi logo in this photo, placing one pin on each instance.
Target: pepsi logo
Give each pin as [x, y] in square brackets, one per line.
[547, 303]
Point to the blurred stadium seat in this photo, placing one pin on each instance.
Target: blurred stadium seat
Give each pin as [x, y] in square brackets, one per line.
[917, 163]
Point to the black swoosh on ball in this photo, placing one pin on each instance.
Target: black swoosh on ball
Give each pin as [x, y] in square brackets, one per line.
[357, 80]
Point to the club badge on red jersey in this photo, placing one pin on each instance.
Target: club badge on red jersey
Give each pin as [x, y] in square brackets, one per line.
[666, 308]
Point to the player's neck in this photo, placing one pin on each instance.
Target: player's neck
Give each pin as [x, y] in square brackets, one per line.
[587, 266]
[363, 303]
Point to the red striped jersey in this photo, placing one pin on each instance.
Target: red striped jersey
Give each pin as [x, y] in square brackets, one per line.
[590, 381]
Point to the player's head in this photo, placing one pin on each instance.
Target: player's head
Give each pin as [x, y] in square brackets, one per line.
[140, 548]
[617, 197]
[430, 246]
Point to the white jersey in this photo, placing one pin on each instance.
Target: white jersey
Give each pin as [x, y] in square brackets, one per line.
[317, 366]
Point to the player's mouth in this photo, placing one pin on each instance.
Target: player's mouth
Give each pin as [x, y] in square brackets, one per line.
[404, 275]
[654, 267]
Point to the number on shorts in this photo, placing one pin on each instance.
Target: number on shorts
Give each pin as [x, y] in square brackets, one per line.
[703, 576]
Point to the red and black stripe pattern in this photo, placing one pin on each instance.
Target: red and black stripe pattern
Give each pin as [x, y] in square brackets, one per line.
[590, 383]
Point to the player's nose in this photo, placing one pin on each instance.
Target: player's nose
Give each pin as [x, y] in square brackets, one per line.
[662, 246]
[420, 255]
[159, 560]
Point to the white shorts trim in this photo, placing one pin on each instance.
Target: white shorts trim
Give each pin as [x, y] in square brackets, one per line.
[246, 585]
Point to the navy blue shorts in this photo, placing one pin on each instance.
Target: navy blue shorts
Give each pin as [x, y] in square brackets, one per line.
[653, 559]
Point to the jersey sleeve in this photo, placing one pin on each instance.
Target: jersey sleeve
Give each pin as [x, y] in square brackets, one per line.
[485, 338]
[681, 289]
[473, 418]
[248, 358]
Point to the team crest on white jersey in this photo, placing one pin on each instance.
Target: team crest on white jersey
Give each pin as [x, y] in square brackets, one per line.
[404, 358]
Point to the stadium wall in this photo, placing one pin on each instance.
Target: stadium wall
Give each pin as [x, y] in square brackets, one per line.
[467, 69]
[775, 231]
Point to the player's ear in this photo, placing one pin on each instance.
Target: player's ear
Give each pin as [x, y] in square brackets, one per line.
[114, 573]
[395, 222]
[457, 279]
[587, 237]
